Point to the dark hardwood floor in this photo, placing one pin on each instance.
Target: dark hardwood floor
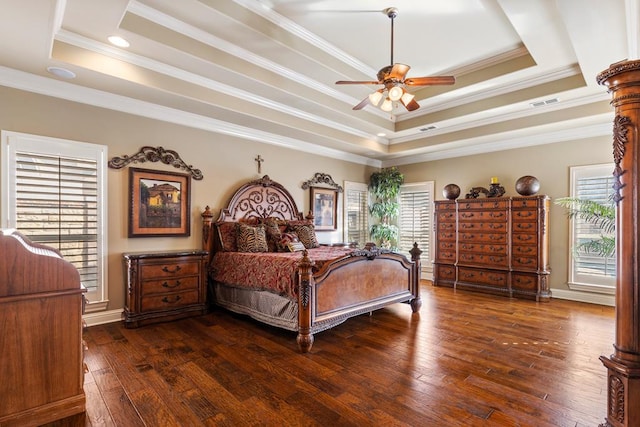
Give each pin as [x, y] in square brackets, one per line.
[467, 359]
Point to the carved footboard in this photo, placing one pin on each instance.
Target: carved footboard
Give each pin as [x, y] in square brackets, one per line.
[360, 282]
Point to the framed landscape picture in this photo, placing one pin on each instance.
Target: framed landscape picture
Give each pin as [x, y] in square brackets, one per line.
[324, 203]
[159, 203]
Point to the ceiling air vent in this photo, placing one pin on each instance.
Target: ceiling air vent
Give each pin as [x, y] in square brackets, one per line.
[427, 128]
[546, 102]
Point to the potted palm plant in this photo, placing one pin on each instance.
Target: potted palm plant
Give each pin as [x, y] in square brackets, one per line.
[601, 215]
[385, 187]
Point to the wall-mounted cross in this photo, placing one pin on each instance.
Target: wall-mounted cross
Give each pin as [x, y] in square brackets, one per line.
[259, 161]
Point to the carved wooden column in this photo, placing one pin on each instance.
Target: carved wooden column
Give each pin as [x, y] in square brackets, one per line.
[623, 366]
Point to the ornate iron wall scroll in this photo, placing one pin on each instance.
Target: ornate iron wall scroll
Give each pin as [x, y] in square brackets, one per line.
[321, 178]
[159, 154]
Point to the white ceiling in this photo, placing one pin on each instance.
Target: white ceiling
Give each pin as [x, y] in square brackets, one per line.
[265, 70]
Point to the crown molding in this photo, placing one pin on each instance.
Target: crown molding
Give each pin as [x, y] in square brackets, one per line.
[63, 90]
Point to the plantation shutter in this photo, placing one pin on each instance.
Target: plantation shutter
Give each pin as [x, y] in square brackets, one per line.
[415, 220]
[56, 204]
[356, 213]
[597, 189]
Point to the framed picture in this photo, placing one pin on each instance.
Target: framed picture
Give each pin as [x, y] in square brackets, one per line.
[159, 203]
[324, 202]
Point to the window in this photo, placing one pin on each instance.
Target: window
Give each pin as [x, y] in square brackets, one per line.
[52, 192]
[415, 221]
[590, 271]
[356, 213]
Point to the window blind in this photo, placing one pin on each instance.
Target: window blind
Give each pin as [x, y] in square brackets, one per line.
[597, 189]
[415, 220]
[357, 215]
[57, 205]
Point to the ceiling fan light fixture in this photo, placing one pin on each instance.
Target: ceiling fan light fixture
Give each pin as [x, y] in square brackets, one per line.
[375, 98]
[395, 93]
[387, 105]
[407, 98]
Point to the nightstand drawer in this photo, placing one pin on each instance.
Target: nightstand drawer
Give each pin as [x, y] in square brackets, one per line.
[169, 301]
[170, 269]
[169, 285]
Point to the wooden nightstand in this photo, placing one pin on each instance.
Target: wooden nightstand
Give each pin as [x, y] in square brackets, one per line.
[163, 286]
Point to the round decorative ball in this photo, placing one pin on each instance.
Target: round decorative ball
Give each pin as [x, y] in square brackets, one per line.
[451, 191]
[527, 185]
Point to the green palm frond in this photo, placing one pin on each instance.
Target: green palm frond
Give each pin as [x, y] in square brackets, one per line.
[601, 215]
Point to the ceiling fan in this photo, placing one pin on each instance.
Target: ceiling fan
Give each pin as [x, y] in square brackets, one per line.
[393, 78]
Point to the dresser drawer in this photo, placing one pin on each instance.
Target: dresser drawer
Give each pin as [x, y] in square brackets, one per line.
[500, 227]
[446, 216]
[525, 282]
[524, 262]
[449, 236]
[529, 215]
[445, 206]
[483, 216]
[524, 239]
[524, 203]
[524, 227]
[446, 256]
[447, 226]
[170, 285]
[482, 259]
[445, 245]
[169, 301]
[483, 237]
[170, 269]
[483, 248]
[492, 278]
[521, 250]
[482, 204]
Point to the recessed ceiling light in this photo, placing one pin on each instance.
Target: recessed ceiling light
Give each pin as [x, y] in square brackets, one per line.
[61, 72]
[118, 41]
[382, 134]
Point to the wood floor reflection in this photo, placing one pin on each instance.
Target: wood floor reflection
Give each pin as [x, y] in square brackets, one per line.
[467, 359]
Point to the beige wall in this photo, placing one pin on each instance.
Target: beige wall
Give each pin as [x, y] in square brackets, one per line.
[225, 162]
[549, 163]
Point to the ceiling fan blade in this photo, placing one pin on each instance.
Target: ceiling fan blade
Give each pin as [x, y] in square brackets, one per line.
[430, 81]
[362, 104]
[398, 71]
[411, 105]
[355, 82]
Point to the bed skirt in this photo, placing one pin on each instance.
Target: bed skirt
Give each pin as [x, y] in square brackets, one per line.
[264, 306]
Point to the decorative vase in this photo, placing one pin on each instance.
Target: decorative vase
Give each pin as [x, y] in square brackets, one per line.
[451, 191]
[527, 185]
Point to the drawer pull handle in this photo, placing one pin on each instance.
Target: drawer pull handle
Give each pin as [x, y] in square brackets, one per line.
[167, 285]
[166, 299]
[168, 270]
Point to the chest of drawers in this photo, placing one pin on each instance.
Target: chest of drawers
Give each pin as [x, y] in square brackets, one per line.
[163, 286]
[498, 245]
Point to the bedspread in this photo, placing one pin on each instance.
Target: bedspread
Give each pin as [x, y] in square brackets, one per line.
[272, 271]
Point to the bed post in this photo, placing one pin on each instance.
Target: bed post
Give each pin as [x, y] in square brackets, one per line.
[305, 337]
[207, 232]
[416, 303]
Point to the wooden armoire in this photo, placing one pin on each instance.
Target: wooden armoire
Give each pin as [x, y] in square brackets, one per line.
[498, 245]
[41, 362]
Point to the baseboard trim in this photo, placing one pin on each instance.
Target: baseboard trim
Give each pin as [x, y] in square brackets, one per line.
[111, 316]
[102, 317]
[592, 298]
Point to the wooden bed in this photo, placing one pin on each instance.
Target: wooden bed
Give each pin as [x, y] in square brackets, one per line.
[328, 287]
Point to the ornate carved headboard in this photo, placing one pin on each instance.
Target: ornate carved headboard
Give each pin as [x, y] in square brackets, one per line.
[255, 200]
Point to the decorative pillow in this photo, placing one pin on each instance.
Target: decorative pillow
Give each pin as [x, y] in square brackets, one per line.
[295, 246]
[307, 235]
[251, 239]
[283, 243]
[273, 233]
[227, 236]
